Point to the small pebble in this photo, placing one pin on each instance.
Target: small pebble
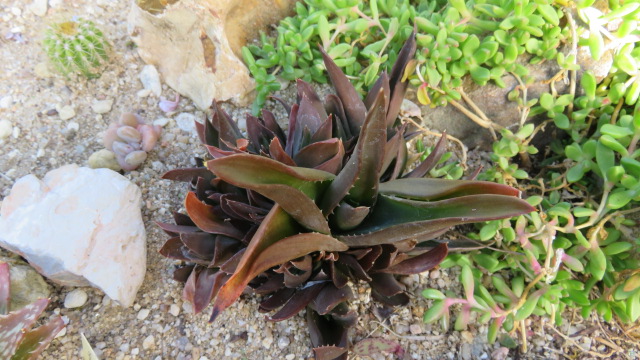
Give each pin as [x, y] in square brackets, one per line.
[66, 112]
[102, 106]
[283, 342]
[142, 314]
[186, 122]
[75, 298]
[5, 128]
[161, 121]
[150, 79]
[104, 159]
[148, 342]
[42, 71]
[5, 102]
[415, 329]
[39, 7]
[174, 310]
[290, 357]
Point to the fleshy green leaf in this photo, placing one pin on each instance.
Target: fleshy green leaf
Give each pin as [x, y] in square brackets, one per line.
[441, 189]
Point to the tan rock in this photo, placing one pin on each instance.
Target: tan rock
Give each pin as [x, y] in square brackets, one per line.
[196, 44]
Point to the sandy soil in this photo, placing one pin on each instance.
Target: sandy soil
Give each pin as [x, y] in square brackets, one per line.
[160, 325]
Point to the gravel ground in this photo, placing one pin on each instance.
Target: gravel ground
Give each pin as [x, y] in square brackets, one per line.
[160, 325]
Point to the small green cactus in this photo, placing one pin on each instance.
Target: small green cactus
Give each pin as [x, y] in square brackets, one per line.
[76, 46]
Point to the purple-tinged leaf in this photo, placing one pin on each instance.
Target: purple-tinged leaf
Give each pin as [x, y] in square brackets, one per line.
[431, 161]
[35, 341]
[271, 124]
[358, 180]
[333, 104]
[356, 269]
[204, 217]
[208, 133]
[381, 83]
[324, 132]
[284, 104]
[306, 90]
[338, 274]
[330, 352]
[333, 165]
[298, 302]
[374, 346]
[278, 153]
[278, 299]
[168, 105]
[259, 135]
[293, 188]
[348, 217]
[207, 284]
[173, 249]
[386, 284]
[367, 261]
[400, 299]
[299, 274]
[391, 149]
[16, 324]
[328, 336]
[188, 174]
[182, 274]
[353, 106]
[399, 87]
[174, 230]
[227, 128]
[273, 283]
[293, 125]
[307, 120]
[395, 219]
[420, 263]
[244, 211]
[441, 189]
[5, 288]
[271, 245]
[388, 254]
[318, 153]
[232, 263]
[217, 153]
[330, 297]
[201, 243]
[182, 219]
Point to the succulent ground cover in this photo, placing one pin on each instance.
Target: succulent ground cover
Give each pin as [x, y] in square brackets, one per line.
[298, 215]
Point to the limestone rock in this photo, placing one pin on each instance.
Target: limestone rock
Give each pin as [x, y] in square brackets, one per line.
[196, 45]
[79, 227]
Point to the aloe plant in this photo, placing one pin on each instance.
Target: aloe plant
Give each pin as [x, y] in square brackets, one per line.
[298, 215]
[18, 341]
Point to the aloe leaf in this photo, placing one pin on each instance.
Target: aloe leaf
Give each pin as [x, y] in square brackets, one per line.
[358, 180]
[292, 188]
[329, 297]
[307, 119]
[35, 341]
[227, 129]
[5, 290]
[306, 90]
[348, 217]
[399, 87]
[204, 217]
[334, 106]
[317, 153]
[431, 161]
[420, 263]
[381, 83]
[297, 302]
[16, 324]
[441, 189]
[395, 219]
[188, 174]
[274, 243]
[353, 106]
[278, 153]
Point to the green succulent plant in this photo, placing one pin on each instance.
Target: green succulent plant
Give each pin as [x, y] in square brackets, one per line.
[76, 46]
[18, 341]
[298, 215]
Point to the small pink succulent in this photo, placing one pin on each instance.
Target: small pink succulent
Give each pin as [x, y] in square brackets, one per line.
[130, 138]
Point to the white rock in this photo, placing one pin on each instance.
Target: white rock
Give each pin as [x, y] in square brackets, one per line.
[150, 79]
[186, 122]
[5, 128]
[79, 226]
[161, 121]
[148, 342]
[39, 7]
[142, 314]
[75, 298]
[174, 310]
[102, 106]
[6, 101]
[66, 112]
